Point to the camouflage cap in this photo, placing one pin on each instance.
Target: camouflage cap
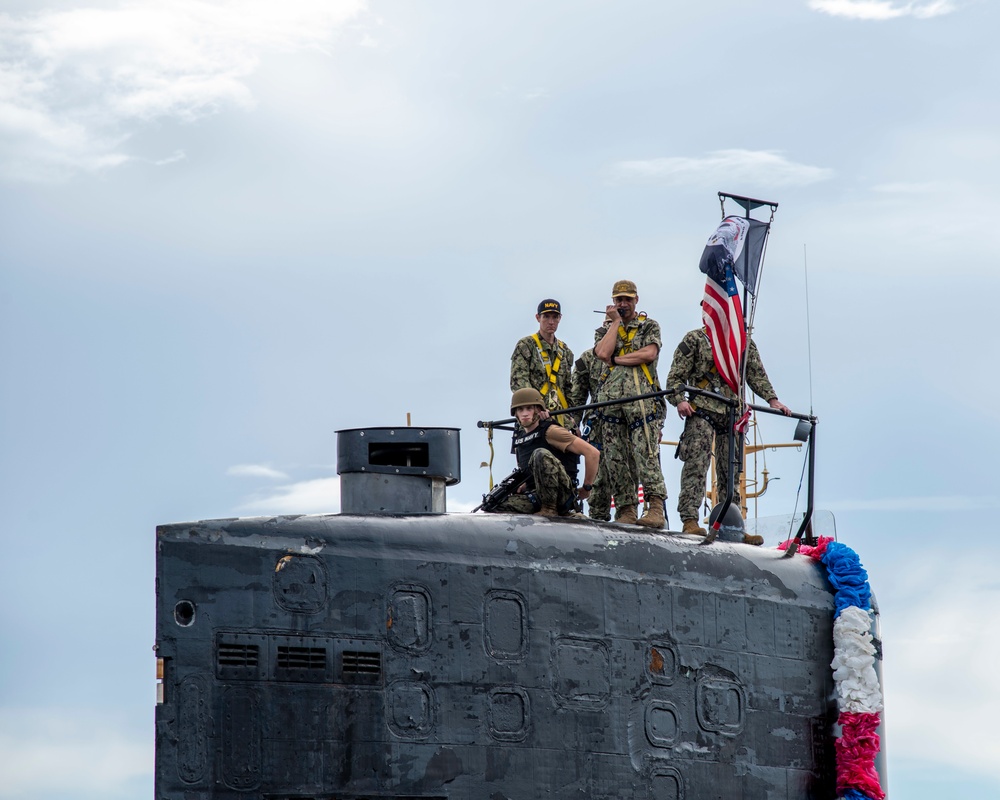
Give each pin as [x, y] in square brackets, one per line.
[549, 306]
[624, 289]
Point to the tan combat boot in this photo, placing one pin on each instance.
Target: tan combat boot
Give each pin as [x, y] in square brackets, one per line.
[692, 526]
[653, 518]
[753, 538]
[547, 511]
[626, 515]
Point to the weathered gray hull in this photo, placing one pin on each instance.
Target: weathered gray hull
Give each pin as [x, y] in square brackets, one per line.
[471, 656]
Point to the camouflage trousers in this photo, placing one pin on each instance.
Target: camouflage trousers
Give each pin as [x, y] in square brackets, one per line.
[552, 486]
[695, 450]
[632, 452]
[599, 502]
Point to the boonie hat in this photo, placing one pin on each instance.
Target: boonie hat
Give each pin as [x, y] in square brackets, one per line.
[624, 289]
[551, 306]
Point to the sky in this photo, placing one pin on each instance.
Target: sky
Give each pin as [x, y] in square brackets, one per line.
[230, 229]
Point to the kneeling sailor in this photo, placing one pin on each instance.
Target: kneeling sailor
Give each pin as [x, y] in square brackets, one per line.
[550, 454]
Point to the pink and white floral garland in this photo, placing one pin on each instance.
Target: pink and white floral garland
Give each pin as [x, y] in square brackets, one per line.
[859, 696]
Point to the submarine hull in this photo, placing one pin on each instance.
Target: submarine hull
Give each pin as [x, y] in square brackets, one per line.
[486, 656]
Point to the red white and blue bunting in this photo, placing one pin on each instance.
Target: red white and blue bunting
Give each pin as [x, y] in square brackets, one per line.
[859, 696]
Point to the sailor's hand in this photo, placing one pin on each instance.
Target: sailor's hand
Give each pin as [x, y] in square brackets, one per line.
[777, 405]
[543, 414]
[611, 314]
[582, 493]
[684, 409]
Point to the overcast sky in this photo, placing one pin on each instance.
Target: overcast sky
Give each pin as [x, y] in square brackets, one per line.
[228, 229]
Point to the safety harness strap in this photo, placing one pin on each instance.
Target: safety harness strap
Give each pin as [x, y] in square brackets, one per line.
[626, 347]
[710, 380]
[551, 372]
[651, 417]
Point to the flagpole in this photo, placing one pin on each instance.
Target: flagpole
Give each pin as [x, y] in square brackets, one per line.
[734, 450]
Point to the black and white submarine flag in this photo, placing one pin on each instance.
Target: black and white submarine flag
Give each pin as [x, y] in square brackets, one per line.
[733, 251]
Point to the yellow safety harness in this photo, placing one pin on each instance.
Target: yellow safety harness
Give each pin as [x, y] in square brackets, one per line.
[709, 381]
[489, 438]
[551, 372]
[627, 338]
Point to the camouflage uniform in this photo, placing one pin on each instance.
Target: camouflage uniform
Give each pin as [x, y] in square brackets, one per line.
[553, 486]
[632, 431]
[528, 369]
[693, 364]
[587, 383]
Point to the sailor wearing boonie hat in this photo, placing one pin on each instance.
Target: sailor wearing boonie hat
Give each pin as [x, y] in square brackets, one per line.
[630, 347]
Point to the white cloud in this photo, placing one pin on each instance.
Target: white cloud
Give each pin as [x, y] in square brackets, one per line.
[256, 471]
[941, 648]
[764, 168]
[74, 85]
[178, 155]
[59, 752]
[926, 187]
[317, 496]
[461, 507]
[882, 9]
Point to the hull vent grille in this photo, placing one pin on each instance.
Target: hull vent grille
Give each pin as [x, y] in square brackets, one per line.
[359, 666]
[301, 657]
[239, 656]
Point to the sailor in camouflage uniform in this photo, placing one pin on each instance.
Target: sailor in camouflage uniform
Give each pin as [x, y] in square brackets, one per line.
[705, 418]
[630, 348]
[543, 362]
[551, 454]
[588, 374]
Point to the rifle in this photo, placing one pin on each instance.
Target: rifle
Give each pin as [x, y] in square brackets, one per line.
[503, 490]
[503, 424]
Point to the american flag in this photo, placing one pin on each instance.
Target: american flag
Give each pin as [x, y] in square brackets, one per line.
[723, 316]
[734, 248]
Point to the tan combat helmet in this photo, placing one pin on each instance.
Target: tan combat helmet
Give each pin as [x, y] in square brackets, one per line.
[526, 397]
